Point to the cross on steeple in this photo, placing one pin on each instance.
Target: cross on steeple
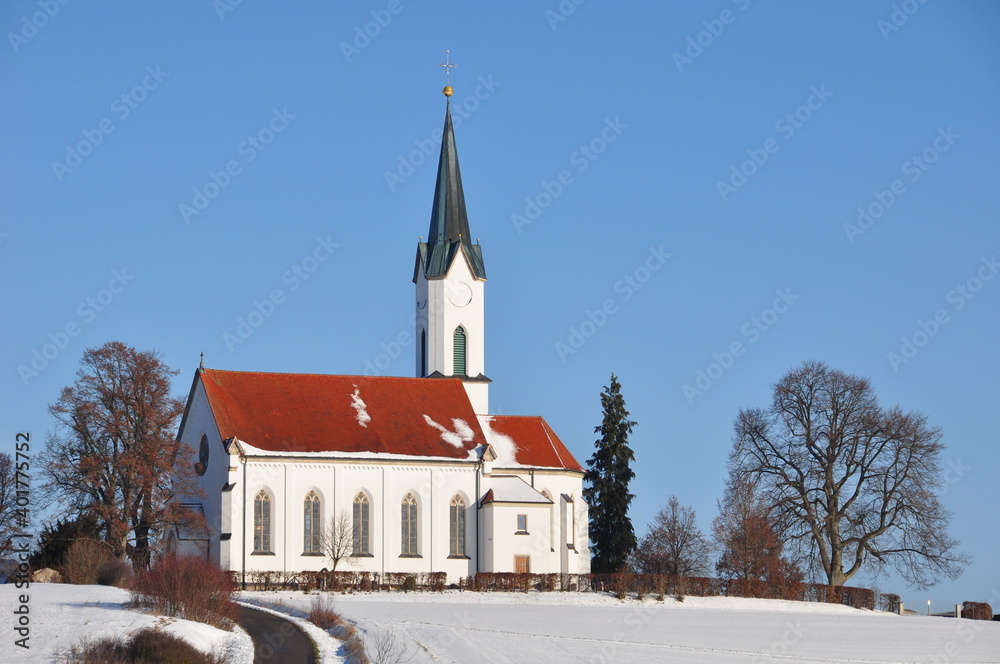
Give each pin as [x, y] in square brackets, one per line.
[448, 66]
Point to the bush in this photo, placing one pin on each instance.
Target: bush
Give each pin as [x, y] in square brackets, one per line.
[187, 587]
[890, 602]
[114, 572]
[147, 646]
[977, 611]
[82, 561]
[322, 614]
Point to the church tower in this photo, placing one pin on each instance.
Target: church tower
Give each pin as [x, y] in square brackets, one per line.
[450, 275]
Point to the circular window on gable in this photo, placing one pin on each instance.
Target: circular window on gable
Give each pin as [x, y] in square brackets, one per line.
[202, 464]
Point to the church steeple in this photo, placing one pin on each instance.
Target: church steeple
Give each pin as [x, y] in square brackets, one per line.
[450, 275]
[449, 231]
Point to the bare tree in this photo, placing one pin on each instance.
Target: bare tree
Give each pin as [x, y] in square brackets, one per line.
[337, 539]
[849, 483]
[384, 646]
[114, 451]
[674, 544]
[750, 549]
[8, 503]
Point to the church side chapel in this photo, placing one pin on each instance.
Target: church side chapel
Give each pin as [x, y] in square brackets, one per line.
[417, 470]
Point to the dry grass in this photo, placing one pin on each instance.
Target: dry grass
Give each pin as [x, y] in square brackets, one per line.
[147, 646]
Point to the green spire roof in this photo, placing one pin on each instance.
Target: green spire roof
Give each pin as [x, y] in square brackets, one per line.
[449, 231]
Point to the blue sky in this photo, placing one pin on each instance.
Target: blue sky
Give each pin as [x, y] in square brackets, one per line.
[661, 189]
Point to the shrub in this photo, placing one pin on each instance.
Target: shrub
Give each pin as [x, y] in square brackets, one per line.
[147, 646]
[436, 581]
[187, 587]
[977, 611]
[322, 614]
[114, 572]
[82, 561]
[890, 602]
[620, 582]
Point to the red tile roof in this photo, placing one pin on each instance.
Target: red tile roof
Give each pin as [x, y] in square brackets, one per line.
[315, 413]
[281, 412]
[537, 444]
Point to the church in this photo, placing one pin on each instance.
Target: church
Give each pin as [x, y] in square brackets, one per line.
[415, 470]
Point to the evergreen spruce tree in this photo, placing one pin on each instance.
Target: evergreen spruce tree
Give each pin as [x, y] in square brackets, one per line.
[608, 473]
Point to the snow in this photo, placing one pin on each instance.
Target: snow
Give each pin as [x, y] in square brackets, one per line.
[515, 490]
[531, 627]
[457, 438]
[503, 445]
[62, 615]
[357, 404]
[590, 627]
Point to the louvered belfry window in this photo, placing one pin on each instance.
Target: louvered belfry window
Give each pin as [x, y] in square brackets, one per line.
[423, 352]
[459, 352]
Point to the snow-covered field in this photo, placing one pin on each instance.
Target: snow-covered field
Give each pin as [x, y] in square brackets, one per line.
[61, 615]
[570, 627]
[549, 627]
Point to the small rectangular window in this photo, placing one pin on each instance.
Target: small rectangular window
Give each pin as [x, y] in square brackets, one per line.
[522, 564]
[522, 523]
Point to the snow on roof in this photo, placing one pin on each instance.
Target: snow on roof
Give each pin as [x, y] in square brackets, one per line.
[461, 435]
[357, 404]
[526, 441]
[512, 489]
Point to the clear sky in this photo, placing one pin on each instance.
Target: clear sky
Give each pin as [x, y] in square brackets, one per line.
[655, 185]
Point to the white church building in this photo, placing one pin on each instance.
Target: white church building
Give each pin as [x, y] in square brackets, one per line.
[428, 480]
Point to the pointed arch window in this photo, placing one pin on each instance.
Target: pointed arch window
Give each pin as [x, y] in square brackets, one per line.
[459, 351]
[362, 512]
[311, 524]
[409, 526]
[456, 530]
[262, 522]
[423, 353]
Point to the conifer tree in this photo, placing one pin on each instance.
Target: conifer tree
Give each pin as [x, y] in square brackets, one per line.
[609, 472]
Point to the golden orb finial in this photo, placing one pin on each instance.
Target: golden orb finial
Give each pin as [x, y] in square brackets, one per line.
[448, 66]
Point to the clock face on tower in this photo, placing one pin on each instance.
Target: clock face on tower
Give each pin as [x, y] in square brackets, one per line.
[460, 294]
[202, 464]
